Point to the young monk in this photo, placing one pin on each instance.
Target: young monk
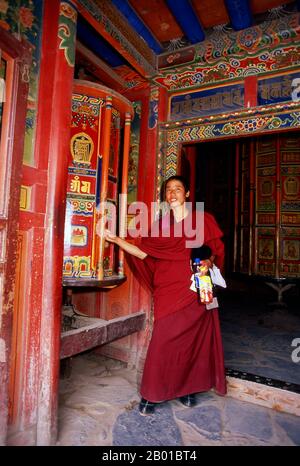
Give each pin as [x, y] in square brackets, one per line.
[185, 354]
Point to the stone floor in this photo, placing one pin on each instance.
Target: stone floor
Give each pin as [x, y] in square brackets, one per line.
[99, 407]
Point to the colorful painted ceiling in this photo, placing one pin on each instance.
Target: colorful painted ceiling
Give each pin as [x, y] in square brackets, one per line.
[170, 24]
[139, 39]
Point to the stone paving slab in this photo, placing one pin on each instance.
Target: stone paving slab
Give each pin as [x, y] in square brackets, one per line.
[160, 430]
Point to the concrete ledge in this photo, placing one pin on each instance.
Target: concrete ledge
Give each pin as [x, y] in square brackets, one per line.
[271, 397]
[98, 332]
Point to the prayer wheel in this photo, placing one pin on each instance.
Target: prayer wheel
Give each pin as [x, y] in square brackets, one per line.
[97, 175]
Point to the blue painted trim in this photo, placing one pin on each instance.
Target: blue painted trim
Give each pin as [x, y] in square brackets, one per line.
[240, 13]
[101, 48]
[187, 19]
[137, 24]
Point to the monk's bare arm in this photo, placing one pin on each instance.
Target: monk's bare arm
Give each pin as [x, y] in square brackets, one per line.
[122, 243]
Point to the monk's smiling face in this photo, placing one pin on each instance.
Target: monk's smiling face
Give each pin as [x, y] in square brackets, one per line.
[175, 193]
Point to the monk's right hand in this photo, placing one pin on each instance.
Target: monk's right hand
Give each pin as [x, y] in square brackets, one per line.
[109, 236]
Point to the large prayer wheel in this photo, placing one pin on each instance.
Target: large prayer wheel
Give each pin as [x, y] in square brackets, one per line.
[97, 173]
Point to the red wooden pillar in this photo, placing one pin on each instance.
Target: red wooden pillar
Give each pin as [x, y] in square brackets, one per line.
[56, 81]
[250, 99]
[12, 129]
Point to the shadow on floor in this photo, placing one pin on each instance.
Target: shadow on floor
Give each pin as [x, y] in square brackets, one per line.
[259, 338]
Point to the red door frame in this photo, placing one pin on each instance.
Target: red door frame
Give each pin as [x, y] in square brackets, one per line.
[34, 391]
[18, 57]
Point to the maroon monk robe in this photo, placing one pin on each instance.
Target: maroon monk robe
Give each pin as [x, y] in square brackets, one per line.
[185, 354]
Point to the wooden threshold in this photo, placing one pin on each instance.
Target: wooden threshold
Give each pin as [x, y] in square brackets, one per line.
[270, 397]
